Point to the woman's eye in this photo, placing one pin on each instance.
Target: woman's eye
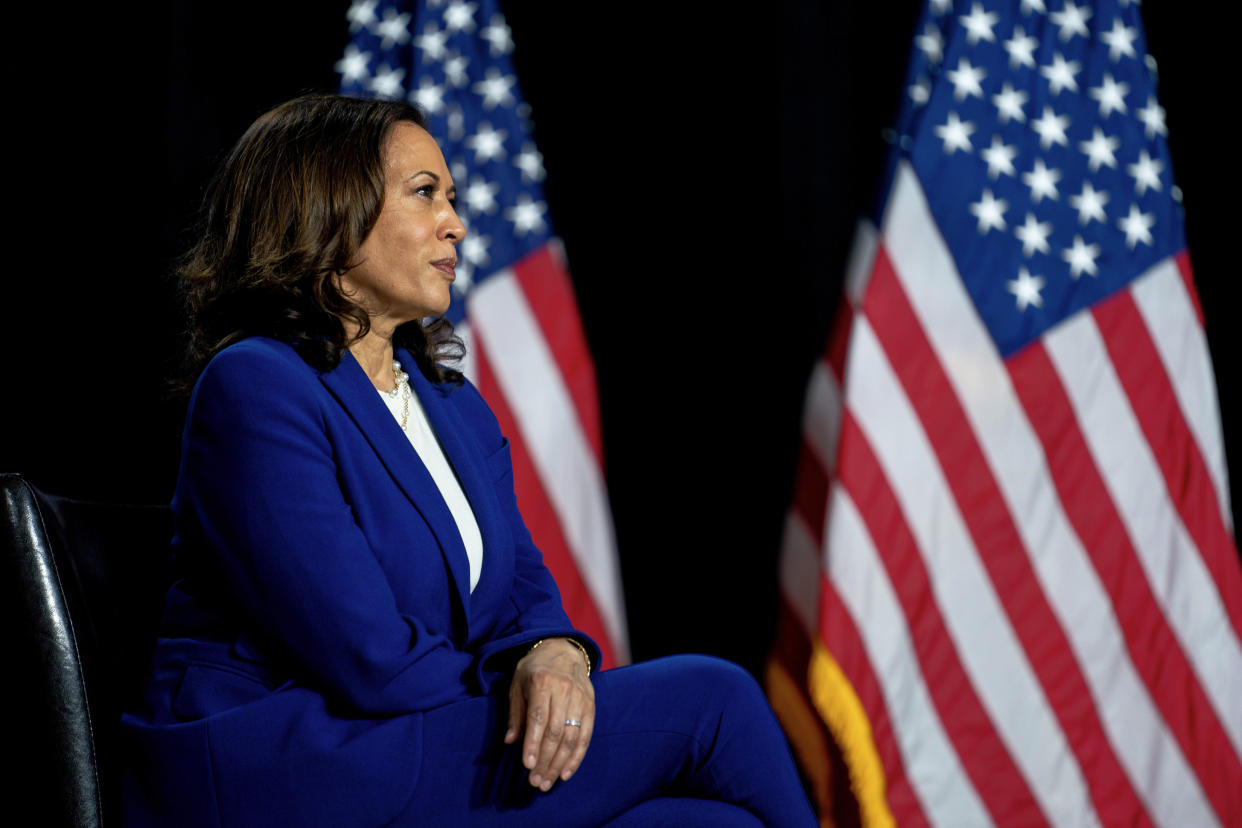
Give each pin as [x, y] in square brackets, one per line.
[427, 190]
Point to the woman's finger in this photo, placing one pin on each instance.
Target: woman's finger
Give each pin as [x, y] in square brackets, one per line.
[555, 732]
[584, 741]
[563, 762]
[517, 713]
[538, 701]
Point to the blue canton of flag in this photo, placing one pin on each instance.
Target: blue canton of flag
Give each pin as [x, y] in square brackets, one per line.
[462, 77]
[1040, 143]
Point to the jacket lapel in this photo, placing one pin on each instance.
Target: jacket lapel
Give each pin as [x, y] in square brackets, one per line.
[469, 464]
[350, 385]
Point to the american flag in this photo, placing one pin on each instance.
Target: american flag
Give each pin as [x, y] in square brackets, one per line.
[513, 302]
[1009, 571]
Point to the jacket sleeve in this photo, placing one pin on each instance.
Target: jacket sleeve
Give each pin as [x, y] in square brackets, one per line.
[260, 481]
[535, 597]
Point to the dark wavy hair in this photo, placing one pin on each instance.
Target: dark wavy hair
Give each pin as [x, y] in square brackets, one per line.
[282, 219]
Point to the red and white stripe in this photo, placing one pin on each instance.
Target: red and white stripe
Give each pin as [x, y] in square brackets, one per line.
[527, 354]
[1031, 560]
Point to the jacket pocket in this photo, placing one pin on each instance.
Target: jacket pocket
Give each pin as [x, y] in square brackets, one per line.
[208, 689]
[498, 464]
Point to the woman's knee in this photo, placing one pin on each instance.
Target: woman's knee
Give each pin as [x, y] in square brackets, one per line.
[722, 680]
[684, 812]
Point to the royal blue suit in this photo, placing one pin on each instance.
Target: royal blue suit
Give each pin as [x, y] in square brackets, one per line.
[323, 623]
[325, 581]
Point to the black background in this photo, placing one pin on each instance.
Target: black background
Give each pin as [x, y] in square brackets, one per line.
[704, 168]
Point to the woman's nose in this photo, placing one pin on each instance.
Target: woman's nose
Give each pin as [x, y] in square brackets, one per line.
[452, 227]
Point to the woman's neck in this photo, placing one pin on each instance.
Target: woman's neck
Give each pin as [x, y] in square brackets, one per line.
[374, 353]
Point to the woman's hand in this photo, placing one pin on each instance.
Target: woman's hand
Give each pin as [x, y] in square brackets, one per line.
[550, 688]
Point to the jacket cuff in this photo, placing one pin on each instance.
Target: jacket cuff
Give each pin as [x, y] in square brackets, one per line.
[498, 658]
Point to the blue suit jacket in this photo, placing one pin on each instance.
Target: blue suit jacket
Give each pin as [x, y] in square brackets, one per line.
[324, 597]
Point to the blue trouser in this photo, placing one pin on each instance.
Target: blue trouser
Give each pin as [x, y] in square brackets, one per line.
[684, 741]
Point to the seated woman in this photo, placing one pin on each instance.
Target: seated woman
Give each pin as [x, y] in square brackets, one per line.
[361, 632]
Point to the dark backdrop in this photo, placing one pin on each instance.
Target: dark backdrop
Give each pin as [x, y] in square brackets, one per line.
[704, 169]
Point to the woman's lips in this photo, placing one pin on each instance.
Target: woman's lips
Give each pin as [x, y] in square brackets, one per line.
[446, 266]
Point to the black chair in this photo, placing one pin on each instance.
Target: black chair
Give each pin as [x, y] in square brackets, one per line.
[84, 583]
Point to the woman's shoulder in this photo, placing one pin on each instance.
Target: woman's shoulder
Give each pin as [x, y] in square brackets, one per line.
[458, 390]
[469, 403]
[255, 367]
[258, 358]
[257, 352]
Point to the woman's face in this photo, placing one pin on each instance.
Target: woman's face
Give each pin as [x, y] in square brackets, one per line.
[407, 260]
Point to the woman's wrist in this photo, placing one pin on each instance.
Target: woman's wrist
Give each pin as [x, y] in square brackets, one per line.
[585, 655]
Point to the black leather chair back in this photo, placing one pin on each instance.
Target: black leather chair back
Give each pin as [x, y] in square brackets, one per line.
[83, 587]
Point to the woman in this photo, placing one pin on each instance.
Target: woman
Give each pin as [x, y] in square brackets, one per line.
[362, 632]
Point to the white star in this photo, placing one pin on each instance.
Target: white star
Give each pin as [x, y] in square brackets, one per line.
[480, 196]
[432, 41]
[1033, 235]
[1099, 150]
[1146, 173]
[1137, 227]
[999, 158]
[1061, 74]
[494, 89]
[1089, 203]
[1009, 104]
[965, 79]
[920, 91]
[978, 24]
[488, 143]
[353, 67]
[464, 274]
[1120, 40]
[941, 6]
[474, 249]
[1072, 20]
[393, 29]
[455, 121]
[459, 170]
[1021, 48]
[1081, 257]
[931, 42]
[499, 37]
[1026, 289]
[526, 215]
[1153, 116]
[955, 133]
[429, 96]
[530, 162]
[1051, 128]
[459, 17]
[1042, 181]
[1111, 95]
[387, 82]
[361, 14]
[990, 211]
[1036, 6]
[455, 69]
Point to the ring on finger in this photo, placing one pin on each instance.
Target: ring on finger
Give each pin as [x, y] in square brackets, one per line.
[573, 722]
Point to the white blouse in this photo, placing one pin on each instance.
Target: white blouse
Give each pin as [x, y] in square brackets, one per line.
[423, 439]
